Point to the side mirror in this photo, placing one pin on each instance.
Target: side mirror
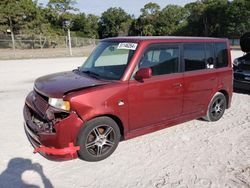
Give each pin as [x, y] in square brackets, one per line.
[143, 73]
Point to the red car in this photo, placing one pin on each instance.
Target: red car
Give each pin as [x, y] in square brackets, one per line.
[128, 87]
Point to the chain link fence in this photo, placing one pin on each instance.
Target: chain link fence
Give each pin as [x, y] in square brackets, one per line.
[37, 46]
[24, 46]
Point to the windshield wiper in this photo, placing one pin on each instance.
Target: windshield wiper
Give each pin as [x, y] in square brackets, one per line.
[92, 74]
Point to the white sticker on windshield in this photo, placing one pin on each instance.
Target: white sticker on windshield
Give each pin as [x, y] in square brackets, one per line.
[127, 46]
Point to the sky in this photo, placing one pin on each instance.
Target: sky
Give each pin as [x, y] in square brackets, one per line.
[132, 7]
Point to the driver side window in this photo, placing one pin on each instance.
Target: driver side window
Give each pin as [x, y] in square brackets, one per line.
[162, 59]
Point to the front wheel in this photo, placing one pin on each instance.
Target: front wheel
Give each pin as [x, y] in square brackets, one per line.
[216, 108]
[98, 139]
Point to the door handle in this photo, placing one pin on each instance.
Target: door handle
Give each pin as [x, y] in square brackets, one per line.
[177, 85]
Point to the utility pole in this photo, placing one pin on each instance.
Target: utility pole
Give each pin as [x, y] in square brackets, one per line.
[66, 24]
[12, 34]
[13, 40]
[69, 42]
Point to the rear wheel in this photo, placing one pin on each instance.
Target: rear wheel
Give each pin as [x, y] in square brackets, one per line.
[216, 108]
[98, 139]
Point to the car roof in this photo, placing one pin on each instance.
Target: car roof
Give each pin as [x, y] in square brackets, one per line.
[162, 38]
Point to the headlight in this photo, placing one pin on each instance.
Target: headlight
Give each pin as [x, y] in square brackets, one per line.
[236, 62]
[59, 103]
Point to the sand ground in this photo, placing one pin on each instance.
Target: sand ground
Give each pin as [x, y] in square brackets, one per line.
[194, 154]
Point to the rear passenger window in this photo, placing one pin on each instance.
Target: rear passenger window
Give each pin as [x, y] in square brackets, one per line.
[221, 55]
[209, 55]
[162, 59]
[194, 57]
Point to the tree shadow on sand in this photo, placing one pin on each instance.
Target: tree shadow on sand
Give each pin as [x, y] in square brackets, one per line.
[12, 176]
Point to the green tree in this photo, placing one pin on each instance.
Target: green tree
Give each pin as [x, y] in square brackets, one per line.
[92, 26]
[35, 22]
[64, 10]
[150, 9]
[146, 23]
[237, 18]
[218, 18]
[85, 26]
[114, 22]
[62, 6]
[14, 14]
[195, 24]
[79, 22]
[206, 17]
[147, 20]
[50, 16]
[214, 17]
[170, 20]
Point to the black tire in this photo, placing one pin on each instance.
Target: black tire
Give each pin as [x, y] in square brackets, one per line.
[216, 107]
[98, 139]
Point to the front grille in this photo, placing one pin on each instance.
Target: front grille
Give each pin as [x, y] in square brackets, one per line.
[244, 66]
[41, 95]
[37, 123]
[241, 77]
[40, 103]
[41, 123]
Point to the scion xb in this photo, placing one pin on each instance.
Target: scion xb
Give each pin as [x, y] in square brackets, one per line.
[128, 86]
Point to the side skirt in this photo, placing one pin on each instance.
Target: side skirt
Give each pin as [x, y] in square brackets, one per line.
[156, 127]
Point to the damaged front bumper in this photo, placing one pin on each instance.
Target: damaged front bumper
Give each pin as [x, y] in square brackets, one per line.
[52, 136]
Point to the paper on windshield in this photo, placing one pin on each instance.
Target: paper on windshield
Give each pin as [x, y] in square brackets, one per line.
[127, 46]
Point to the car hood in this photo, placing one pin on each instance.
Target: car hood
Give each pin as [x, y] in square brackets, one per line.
[59, 84]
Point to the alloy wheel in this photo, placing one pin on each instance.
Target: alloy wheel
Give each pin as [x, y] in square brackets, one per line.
[100, 140]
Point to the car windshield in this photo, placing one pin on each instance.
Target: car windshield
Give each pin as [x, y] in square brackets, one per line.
[109, 60]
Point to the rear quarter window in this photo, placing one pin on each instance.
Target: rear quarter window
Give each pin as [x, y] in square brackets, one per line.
[221, 53]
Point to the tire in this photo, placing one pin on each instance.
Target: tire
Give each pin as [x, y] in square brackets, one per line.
[98, 139]
[216, 107]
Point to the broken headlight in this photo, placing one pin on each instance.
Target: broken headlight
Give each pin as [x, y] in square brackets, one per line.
[59, 103]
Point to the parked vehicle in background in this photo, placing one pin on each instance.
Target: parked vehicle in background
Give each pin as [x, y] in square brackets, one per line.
[128, 87]
[242, 65]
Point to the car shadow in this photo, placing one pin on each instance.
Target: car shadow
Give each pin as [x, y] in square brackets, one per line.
[12, 176]
[241, 91]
